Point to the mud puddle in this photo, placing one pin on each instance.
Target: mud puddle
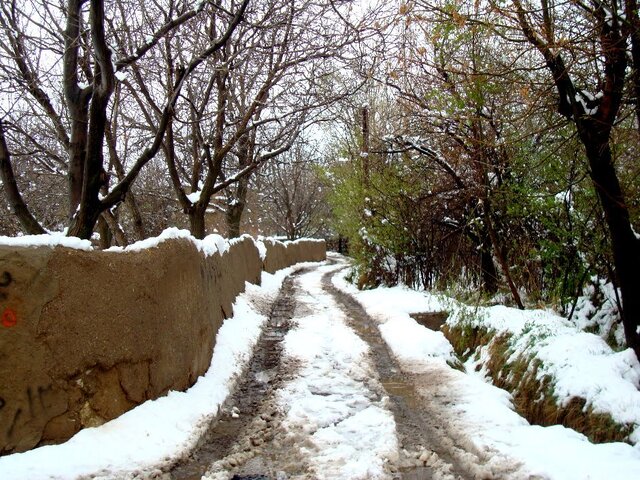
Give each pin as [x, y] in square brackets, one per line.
[247, 419]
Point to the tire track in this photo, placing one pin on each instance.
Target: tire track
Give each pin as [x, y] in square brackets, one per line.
[429, 448]
[248, 418]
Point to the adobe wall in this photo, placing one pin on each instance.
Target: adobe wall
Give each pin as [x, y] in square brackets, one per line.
[87, 335]
[281, 255]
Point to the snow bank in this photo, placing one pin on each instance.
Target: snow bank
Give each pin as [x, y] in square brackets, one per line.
[209, 245]
[46, 240]
[410, 342]
[580, 364]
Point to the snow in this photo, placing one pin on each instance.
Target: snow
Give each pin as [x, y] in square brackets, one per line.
[54, 239]
[304, 240]
[410, 341]
[209, 245]
[564, 197]
[335, 406]
[216, 243]
[262, 249]
[351, 432]
[603, 319]
[582, 364]
[583, 98]
[168, 234]
[413, 342]
[194, 196]
[161, 430]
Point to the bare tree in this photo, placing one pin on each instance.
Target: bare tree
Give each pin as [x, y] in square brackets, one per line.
[75, 100]
[271, 81]
[292, 196]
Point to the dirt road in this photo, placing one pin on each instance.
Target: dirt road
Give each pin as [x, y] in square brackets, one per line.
[261, 433]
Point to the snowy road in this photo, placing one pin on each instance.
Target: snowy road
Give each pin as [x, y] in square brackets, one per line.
[307, 382]
[336, 403]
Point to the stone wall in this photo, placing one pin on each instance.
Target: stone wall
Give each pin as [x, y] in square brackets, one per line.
[87, 335]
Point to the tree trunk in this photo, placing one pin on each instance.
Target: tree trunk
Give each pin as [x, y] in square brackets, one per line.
[105, 233]
[129, 199]
[625, 245]
[138, 223]
[595, 131]
[364, 154]
[75, 172]
[18, 205]
[197, 225]
[83, 222]
[115, 230]
[239, 200]
[489, 272]
[504, 266]
[235, 210]
[233, 217]
[77, 101]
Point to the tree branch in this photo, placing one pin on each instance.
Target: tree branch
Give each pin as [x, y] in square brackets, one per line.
[20, 209]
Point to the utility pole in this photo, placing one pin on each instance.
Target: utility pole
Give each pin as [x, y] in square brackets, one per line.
[364, 152]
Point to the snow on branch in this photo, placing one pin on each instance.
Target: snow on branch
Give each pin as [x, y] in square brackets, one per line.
[420, 146]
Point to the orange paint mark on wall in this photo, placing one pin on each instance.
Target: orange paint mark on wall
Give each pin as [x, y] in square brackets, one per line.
[9, 318]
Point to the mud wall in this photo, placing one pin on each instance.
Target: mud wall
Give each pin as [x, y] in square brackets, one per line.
[281, 255]
[86, 336]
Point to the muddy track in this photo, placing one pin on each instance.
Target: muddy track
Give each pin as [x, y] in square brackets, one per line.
[247, 420]
[420, 429]
[247, 441]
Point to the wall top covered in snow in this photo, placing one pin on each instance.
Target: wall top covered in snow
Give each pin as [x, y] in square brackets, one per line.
[87, 335]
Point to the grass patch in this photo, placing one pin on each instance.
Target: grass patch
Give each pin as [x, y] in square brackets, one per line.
[533, 395]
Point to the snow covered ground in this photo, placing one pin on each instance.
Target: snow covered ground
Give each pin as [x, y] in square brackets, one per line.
[346, 432]
[583, 365]
[334, 399]
[333, 417]
[333, 403]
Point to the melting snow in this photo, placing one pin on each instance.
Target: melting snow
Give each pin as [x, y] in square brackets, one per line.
[582, 364]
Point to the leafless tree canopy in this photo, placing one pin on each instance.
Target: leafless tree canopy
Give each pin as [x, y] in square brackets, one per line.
[94, 91]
